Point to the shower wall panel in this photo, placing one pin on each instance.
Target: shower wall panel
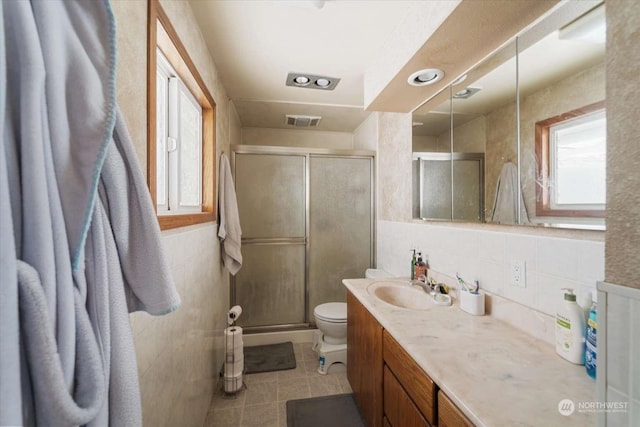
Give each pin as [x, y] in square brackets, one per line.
[270, 285]
[340, 215]
[271, 195]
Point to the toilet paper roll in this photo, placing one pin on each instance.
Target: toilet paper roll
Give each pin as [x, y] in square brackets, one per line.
[233, 314]
[233, 336]
[233, 369]
[234, 347]
[232, 383]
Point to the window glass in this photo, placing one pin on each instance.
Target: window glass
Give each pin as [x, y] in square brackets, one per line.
[179, 143]
[189, 123]
[161, 140]
[578, 162]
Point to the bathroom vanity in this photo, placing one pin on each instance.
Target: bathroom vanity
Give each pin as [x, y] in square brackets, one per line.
[441, 366]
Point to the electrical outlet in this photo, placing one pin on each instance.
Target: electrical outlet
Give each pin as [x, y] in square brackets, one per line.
[518, 274]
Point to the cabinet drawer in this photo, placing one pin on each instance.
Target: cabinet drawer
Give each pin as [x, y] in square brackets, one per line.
[399, 410]
[415, 381]
[449, 415]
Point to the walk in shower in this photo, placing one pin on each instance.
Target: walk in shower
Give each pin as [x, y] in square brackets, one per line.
[307, 218]
[448, 186]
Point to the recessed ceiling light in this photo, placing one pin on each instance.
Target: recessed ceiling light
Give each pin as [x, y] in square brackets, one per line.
[425, 77]
[301, 80]
[312, 81]
[466, 92]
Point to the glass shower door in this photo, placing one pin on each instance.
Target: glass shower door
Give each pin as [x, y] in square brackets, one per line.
[271, 195]
[340, 225]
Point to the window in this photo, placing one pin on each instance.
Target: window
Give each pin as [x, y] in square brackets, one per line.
[181, 147]
[179, 143]
[571, 149]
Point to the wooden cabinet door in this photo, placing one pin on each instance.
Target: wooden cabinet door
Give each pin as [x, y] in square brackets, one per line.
[364, 360]
[414, 380]
[449, 415]
[399, 409]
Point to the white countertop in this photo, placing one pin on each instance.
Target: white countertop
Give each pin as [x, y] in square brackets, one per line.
[496, 374]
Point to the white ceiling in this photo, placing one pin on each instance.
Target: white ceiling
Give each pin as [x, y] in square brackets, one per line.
[255, 44]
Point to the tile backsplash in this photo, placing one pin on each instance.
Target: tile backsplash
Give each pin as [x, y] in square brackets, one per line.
[486, 255]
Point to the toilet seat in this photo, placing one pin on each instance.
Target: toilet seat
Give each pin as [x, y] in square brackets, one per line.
[331, 312]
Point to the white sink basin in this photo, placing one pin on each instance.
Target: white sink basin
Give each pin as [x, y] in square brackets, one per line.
[401, 294]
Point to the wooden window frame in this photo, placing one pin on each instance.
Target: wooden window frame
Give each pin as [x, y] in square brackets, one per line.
[162, 34]
[543, 195]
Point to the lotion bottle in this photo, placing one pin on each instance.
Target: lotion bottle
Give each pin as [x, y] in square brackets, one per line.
[570, 329]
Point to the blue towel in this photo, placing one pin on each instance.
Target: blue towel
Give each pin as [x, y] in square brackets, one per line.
[80, 246]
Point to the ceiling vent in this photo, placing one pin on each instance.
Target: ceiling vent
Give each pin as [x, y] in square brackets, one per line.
[303, 121]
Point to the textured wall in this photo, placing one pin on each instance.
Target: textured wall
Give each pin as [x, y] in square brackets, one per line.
[131, 73]
[623, 139]
[179, 355]
[470, 137]
[394, 166]
[501, 148]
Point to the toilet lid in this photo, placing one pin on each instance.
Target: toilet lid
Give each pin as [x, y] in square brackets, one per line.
[332, 312]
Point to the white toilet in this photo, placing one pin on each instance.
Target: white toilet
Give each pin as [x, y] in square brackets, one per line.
[330, 342]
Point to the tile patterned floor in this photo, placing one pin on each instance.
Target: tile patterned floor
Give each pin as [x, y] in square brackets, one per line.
[262, 402]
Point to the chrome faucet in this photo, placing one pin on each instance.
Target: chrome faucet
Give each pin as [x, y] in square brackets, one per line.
[430, 286]
[423, 282]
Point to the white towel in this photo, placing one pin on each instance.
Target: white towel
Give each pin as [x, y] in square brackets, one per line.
[229, 230]
[504, 206]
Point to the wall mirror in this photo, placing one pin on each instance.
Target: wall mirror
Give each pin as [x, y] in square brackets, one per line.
[526, 124]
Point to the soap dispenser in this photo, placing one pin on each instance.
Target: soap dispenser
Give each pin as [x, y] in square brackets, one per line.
[570, 329]
[420, 268]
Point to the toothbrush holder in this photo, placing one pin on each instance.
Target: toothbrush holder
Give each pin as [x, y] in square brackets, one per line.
[472, 303]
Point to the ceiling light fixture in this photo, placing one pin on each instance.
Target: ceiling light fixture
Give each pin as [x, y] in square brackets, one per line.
[311, 81]
[302, 80]
[459, 80]
[466, 92]
[425, 77]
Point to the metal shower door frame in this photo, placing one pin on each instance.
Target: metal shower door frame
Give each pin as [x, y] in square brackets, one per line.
[308, 153]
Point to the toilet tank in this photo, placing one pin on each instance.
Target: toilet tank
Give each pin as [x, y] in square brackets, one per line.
[375, 273]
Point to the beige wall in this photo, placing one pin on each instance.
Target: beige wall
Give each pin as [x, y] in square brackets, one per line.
[179, 355]
[470, 137]
[297, 138]
[394, 166]
[366, 136]
[623, 143]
